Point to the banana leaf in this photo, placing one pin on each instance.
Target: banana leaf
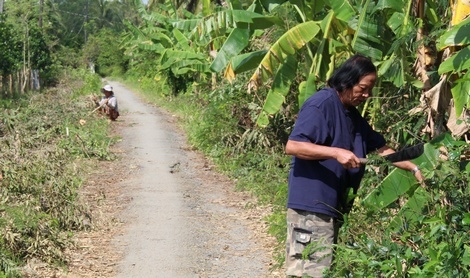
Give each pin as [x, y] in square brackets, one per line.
[161, 37]
[183, 67]
[458, 62]
[368, 32]
[398, 182]
[412, 211]
[235, 43]
[181, 62]
[342, 9]
[461, 93]
[457, 35]
[393, 186]
[186, 24]
[270, 5]
[206, 7]
[401, 22]
[396, 5]
[242, 63]
[289, 43]
[148, 45]
[306, 89]
[183, 42]
[391, 70]
[321, 64]
[156, 18]
[252, 20]
[239, 38]
[279, 90]
[212, 26]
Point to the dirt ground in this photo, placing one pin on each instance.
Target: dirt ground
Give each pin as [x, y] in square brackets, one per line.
[162, 210]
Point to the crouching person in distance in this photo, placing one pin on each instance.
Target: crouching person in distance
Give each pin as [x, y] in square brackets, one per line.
[108, 103]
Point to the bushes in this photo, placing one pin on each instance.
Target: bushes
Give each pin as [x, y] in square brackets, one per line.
[432, 236]
[103, 50]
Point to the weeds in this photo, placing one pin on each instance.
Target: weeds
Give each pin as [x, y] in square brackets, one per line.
[43, 136]
[432, 243]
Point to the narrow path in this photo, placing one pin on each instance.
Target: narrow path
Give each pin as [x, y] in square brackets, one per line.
[183, 219]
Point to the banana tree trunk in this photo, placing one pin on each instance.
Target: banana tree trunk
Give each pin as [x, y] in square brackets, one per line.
[437, 101]
[460, 11]
[424, 58]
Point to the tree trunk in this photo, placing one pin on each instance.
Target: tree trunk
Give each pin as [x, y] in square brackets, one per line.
[436, 101]
[41, 4]
[459, 125]
[424, 58]
[11, 84]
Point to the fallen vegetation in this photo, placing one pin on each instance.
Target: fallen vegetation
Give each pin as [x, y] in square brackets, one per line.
[48, 141]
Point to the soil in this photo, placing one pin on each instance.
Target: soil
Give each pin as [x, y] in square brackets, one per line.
[162, 210]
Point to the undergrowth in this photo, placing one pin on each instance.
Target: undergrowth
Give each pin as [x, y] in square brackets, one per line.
[46, 139]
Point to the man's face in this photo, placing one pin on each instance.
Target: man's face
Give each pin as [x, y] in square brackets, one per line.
[360, 92]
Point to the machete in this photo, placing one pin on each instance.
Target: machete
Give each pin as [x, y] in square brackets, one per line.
[408, 153]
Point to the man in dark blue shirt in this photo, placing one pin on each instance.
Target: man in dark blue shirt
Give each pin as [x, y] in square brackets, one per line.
[329, 137]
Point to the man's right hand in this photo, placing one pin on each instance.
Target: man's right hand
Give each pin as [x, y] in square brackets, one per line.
[347, 158]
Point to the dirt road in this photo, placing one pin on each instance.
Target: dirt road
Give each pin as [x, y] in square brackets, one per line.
[176, 217]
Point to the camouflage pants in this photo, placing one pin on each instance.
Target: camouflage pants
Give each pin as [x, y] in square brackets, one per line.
[310, 238]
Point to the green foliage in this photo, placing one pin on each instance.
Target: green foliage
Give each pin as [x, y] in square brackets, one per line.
[458, 63]
[73, 21]
[432, 242]
[103, 50]
[27, 45]
[9, 49]
[83, 82]
[43, 137]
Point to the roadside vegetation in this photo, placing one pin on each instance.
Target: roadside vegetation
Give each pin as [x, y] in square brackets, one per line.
[49, 141]
[236, 73]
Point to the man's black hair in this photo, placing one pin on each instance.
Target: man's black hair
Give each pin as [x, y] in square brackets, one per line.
[350, 72]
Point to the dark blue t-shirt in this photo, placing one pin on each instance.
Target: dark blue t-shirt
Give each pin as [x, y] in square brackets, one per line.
[320, 185]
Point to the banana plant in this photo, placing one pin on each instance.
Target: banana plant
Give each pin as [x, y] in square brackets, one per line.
[332, 37]
[246, 23]
[279, 61]
[458, 63]
[170, 42]
[183, 62]
[453, 72]
[401, 184]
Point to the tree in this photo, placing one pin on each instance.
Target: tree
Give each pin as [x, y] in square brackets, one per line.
[27, 37]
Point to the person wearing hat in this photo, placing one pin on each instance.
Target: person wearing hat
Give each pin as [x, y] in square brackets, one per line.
[108, 103]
